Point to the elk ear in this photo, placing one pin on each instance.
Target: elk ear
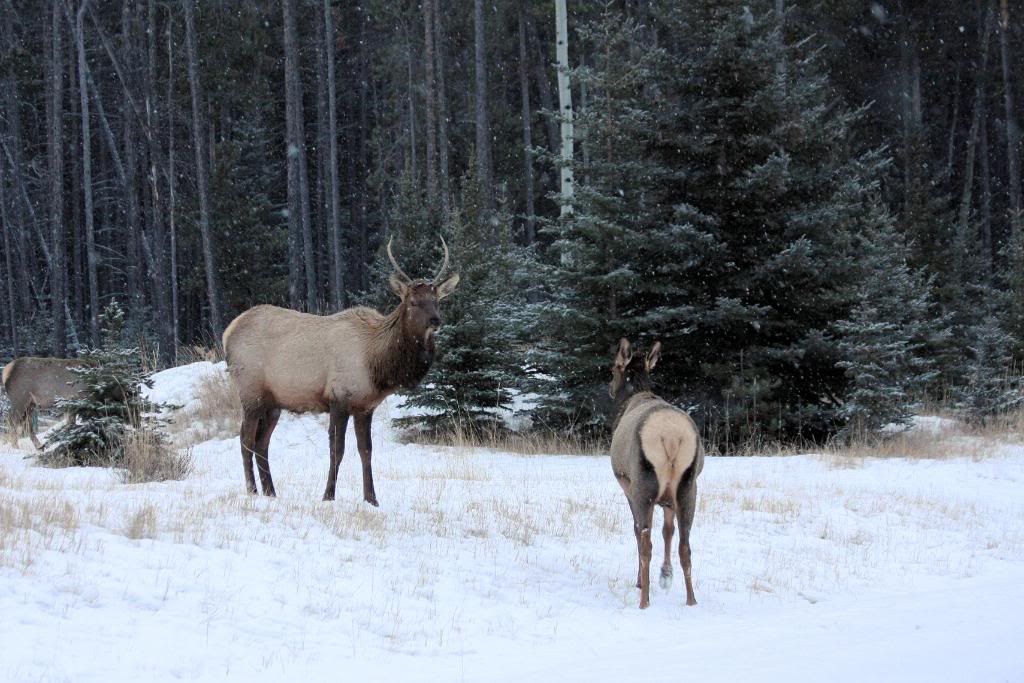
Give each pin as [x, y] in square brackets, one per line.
[653, 356]
[398, 286]
[624, 355]
[448, 286]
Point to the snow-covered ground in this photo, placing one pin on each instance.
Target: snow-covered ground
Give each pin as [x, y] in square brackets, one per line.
[486, 566]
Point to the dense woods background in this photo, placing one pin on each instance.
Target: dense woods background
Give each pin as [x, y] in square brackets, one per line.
[815, 205]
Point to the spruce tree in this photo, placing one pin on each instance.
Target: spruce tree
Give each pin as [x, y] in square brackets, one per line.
[478, 360]
[719, 198]
[992, 385]
[110, 406]
[884, 342]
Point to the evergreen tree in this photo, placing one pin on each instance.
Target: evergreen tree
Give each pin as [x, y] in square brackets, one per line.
[718, 204]
[111, 405]
[479, 361]
[884, 341]
[993, 385]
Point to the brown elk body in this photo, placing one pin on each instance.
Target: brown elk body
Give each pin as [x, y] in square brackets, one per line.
[656, 456]
[37, 383]
[343, 364]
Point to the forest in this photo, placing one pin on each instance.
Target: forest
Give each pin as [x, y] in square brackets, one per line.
[815, 205]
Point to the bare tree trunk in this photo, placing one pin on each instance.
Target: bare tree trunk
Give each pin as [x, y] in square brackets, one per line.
[540, 76]
[986, 199]
[524, 93]
[442, 109]
[338, 297]
[485, 165]
[430, 87]
[202, 173]
[90, 228]
[298, 176]
[564, 105]
[19, 207]
[978, 112]
[1012, 131]
[76, 297]
[5, 225]
[413, 165]
[171, 173]
[55, 137]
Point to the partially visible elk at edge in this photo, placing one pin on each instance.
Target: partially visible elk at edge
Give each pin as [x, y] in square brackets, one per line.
[656, 456]
[343, 364]
[37, 384]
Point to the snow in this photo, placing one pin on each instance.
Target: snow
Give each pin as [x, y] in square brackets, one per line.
[487, 566]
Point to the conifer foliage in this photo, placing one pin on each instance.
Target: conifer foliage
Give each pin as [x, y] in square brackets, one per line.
[111, 406]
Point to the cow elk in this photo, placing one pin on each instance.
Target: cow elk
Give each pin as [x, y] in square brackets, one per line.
[343, 364]
[656, 456]
[37, 384]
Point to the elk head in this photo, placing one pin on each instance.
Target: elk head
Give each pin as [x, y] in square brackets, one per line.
[422, 317]
[629, 374]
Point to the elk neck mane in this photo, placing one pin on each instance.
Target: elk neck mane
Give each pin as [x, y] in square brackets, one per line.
[395, 358]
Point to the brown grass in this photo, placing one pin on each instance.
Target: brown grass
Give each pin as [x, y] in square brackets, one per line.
[547, 442]
[148, 457]
[217, 413]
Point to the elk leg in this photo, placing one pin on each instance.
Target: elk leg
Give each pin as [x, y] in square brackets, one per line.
[247, 438]
[642, 528]
[667, 531]
[31, 418]
[263, 434]
[687, 504]
[336, 435]
[362, 424]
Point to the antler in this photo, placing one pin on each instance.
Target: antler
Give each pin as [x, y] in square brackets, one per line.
[444, 264]
[394, 263]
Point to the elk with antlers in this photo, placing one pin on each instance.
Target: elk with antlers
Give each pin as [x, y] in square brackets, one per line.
[343, 364]
[656, 457]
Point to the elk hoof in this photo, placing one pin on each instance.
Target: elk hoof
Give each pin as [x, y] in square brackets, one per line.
[644, 604]
[665, 581]
[372, 500]
[690, 602]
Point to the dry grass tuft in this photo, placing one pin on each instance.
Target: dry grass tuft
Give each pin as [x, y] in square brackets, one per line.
[141, 523]
[149, 457]
[194, 353]
[465, 436]
[217, 411]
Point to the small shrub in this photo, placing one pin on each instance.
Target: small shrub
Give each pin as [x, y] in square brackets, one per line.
[148, 456]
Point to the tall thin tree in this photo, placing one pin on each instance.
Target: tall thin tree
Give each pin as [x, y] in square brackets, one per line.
[202, 171]
[484, 161]
[338, 297]
[1012, 129]
[524, 94]
[90, 228]
[55, 139]
[564, 104]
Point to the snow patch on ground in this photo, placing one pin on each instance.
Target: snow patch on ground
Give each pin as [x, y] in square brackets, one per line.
[485, 566]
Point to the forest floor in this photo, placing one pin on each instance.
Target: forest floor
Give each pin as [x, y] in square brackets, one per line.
[488, 566]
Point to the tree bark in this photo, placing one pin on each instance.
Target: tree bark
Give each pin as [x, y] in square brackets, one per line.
[12, 301]
[564, 105]
[90, 227]
[1012, 130]
[338, 297]
[442, 110]
[202, 173]
[524, 93]
[430, 86]
[410, 96]
[298, 176]
[966, 196]
[485, 166]
[19, 205]
[55, 169]
[543, 83]
[172, 227]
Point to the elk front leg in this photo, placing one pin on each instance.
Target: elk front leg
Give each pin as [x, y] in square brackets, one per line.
[362, 425]
[336, 435]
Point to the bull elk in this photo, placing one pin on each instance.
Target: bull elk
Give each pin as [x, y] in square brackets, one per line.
[37, 383]
[656, 456]
[343, 364]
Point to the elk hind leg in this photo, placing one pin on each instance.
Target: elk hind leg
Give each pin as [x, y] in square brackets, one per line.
[263, 433]
[642, 520]
[247, 439]
[667, 531]
[687, 505]
[362, 425]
